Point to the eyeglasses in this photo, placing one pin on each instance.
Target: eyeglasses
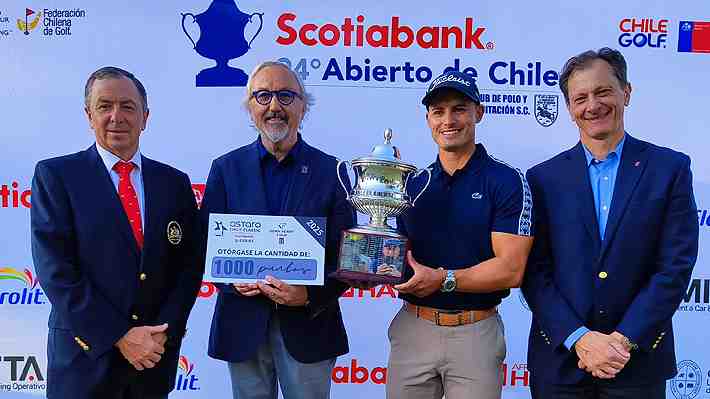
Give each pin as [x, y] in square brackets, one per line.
[285, 97]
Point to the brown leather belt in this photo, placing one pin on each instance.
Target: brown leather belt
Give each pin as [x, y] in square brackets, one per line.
[449, 318]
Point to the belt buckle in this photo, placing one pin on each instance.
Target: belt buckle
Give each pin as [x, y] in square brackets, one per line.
[459, 317]
[436, 318]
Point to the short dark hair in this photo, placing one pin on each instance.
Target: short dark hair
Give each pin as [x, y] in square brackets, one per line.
[580, 61]
[110, 72]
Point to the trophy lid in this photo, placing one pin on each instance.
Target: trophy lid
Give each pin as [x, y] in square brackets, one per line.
[385, 153]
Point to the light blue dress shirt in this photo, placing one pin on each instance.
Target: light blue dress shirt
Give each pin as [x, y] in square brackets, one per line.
[136, 176]
[602, 176]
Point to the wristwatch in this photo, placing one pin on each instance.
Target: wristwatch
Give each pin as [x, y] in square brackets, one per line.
[449, 283]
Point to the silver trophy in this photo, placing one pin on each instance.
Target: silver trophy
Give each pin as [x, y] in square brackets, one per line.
[375, 252]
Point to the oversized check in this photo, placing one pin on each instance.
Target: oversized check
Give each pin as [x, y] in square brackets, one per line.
[247, 248]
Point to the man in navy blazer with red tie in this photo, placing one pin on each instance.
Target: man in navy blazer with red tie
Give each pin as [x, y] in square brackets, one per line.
[617, 239]
[271, 331]
[115, 247]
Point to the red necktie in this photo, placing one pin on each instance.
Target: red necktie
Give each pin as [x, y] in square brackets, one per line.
[129, 199]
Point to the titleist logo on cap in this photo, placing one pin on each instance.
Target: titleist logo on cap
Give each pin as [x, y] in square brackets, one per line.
[449, 78]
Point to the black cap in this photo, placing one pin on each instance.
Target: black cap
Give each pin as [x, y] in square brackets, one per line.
[459, 81]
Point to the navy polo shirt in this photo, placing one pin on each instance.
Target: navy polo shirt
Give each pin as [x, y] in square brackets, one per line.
[278, 176]
[450, 226]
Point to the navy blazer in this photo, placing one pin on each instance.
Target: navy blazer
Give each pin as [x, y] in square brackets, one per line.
[631, 282]
[98, 281]
[239, 325]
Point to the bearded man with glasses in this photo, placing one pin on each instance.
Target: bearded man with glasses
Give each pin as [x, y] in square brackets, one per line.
[272, 333]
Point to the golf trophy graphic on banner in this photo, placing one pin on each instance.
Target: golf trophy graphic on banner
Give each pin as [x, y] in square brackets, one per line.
[375, 253]
[222, 38]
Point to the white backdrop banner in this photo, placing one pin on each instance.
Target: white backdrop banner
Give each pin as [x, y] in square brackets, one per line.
[367, 63]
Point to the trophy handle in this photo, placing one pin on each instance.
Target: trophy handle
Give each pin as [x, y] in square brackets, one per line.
[261, 25]
[185, 15]
[428, 180]
[337, 168]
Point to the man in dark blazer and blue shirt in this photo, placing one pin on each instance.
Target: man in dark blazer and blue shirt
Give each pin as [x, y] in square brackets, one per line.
[272, 331]
[114, 245]
[617, 239]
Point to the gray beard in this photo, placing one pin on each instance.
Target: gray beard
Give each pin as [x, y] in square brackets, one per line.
[274, 137]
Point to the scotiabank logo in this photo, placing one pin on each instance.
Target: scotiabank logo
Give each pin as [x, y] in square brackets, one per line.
[385, 290]
[357, 374]
[28, 294]
[186, 380]
[643, 32]
[13, 196]
[395, 34]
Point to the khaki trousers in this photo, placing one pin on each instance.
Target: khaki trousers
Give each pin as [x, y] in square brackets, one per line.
[428, 361]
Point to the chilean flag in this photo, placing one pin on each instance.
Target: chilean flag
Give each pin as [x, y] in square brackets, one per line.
[694, 37]
[28, 12]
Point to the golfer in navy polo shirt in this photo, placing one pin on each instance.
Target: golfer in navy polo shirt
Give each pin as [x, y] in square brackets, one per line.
[471, 233]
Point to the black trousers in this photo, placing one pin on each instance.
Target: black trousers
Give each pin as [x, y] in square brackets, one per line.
[596, 389]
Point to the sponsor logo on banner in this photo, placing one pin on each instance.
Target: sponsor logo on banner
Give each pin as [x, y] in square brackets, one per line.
[697, 297]
[186, 380]
[20, 288]
[5, 30]
[643, 32]
[546, 109]
[396, 34]
[21, 373]
[694, 37]
[515, 375]
[46, 22]
[207, 290]
[199, 191]
[384, 290]
[688, 382]
[315, 66]
[704, 218]
[221, 35]
[12, 196]
[355, 373]
[30, 21]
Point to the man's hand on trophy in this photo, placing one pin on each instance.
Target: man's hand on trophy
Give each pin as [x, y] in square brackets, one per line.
[426, 280]
[247, 289]
[282, 293]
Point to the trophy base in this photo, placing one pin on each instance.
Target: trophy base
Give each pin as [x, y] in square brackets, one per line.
[371, 256]
[221, 76]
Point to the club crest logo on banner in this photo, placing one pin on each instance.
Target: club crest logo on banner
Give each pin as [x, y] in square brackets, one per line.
[546, 109]
[687, 383]
[222, 38]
